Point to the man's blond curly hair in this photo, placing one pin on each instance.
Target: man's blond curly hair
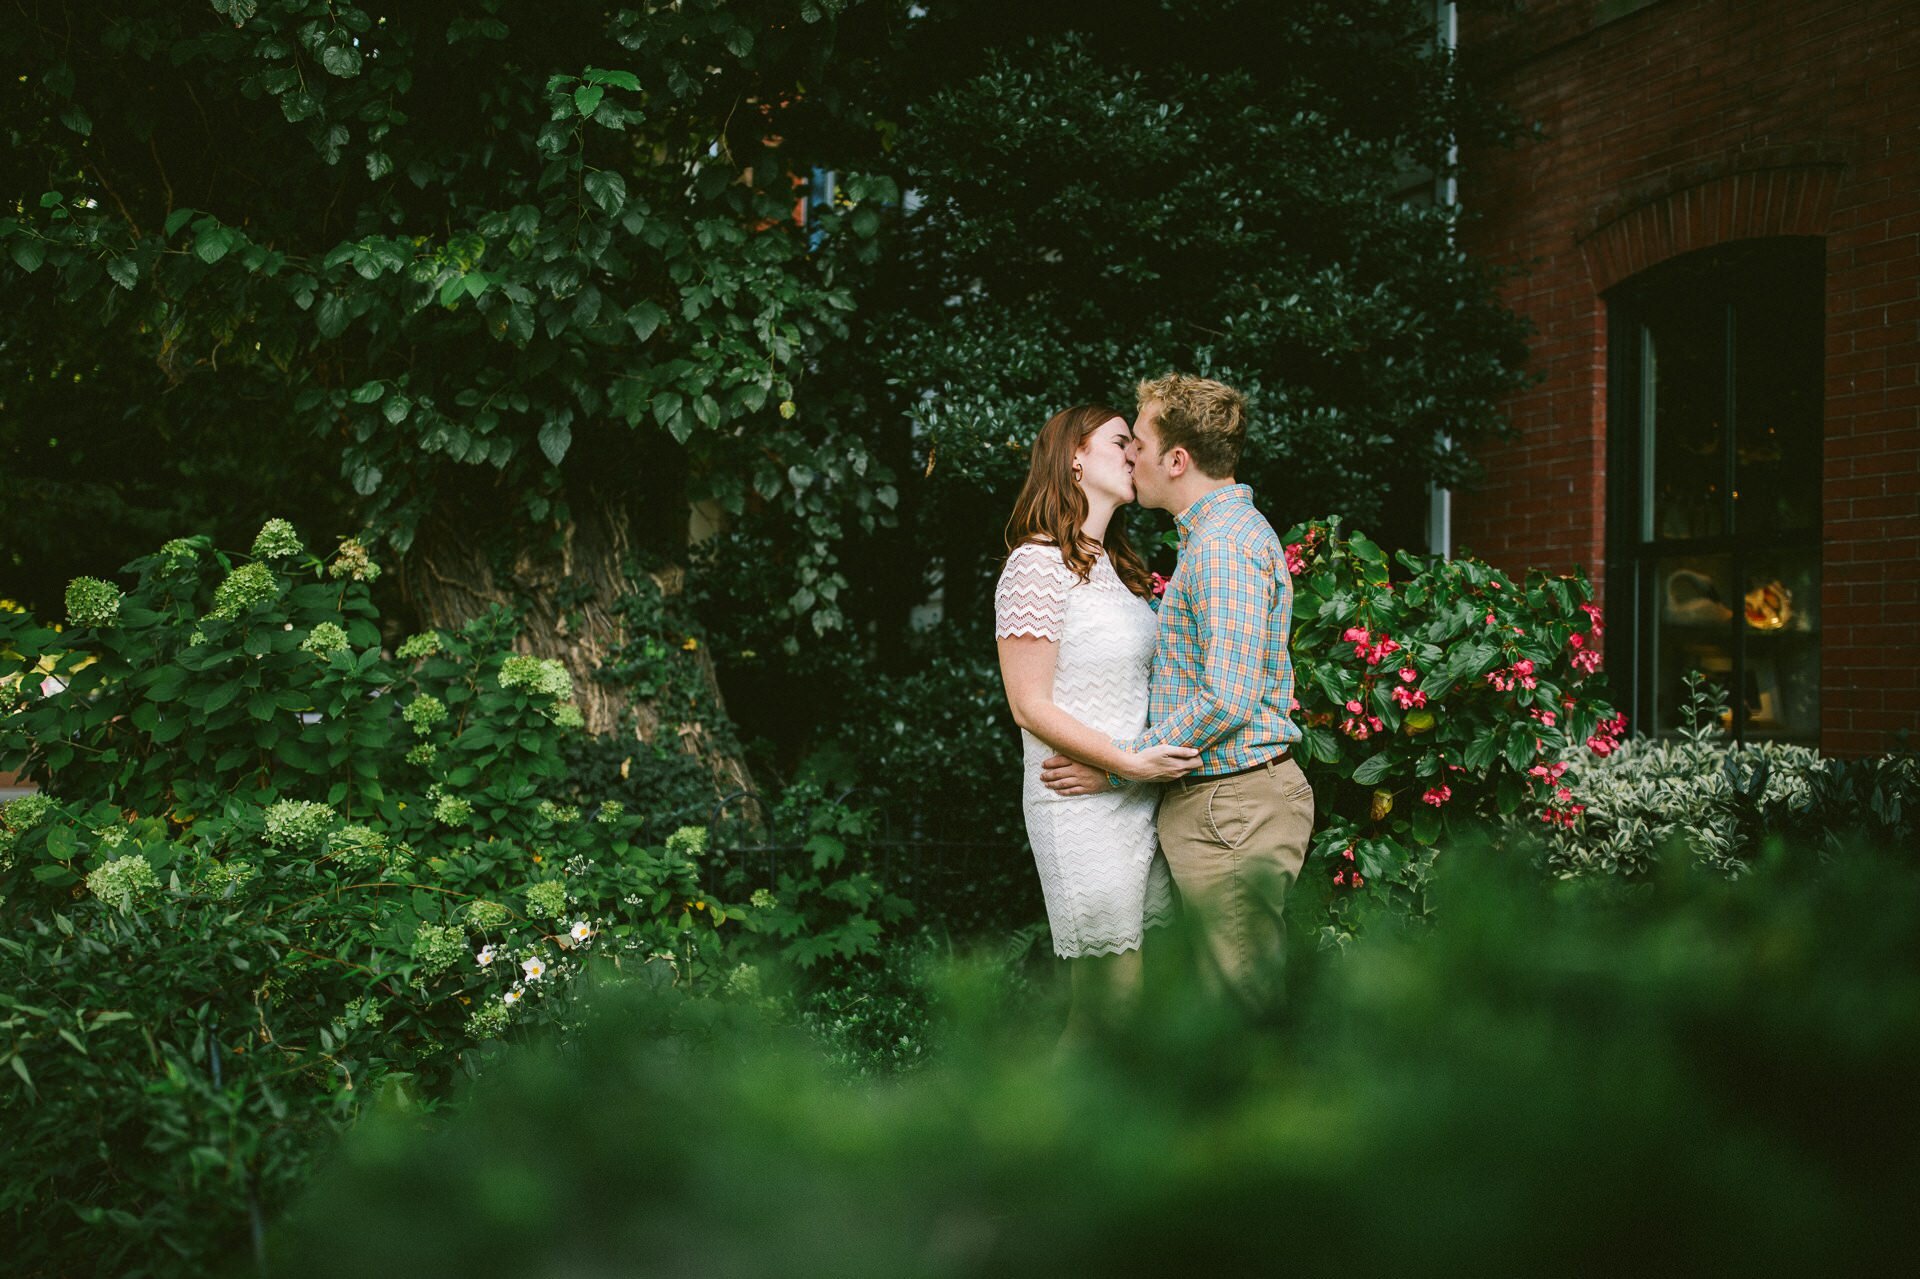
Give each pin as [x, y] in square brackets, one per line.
[1206, 418]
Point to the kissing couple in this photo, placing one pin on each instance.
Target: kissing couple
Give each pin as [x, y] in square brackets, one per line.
[1158, 747]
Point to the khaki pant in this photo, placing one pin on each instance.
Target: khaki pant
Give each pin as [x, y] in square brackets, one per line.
[1235, 845]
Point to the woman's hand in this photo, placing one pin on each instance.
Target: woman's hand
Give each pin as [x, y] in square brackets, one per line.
[1160, 764]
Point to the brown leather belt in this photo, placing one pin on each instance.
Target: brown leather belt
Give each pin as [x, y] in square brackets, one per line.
[1286, 753]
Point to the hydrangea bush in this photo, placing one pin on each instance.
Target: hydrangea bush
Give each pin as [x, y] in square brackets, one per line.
[299, 871]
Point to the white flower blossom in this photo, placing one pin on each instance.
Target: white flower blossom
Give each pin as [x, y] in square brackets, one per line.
[581, 931]
[534, 968]
[485, 956]
[512, 997]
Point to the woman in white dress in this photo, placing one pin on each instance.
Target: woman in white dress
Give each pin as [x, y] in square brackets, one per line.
[1075, 633]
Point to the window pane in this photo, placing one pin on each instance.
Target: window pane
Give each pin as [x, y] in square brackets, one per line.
[1692, 629]
[1780, 613]
[1685, 417]
[1777, 400]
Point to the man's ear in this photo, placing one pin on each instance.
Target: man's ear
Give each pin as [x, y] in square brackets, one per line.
[1178, 459]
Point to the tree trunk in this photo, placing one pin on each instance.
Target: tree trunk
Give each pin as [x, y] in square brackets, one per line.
[566, 584]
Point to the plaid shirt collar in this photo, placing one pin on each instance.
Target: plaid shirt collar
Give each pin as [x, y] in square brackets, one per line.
[1230, 495]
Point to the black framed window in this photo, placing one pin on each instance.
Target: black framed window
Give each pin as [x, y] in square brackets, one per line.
[1714, 411]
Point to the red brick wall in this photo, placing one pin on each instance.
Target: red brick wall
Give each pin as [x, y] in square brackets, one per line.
[1679, 125]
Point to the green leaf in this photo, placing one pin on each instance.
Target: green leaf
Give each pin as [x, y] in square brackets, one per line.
[1509, 792]
[177, 219]
[608, 190]
[331, 315]
[555, 437]
[1426, 823]
[1321, 746]
[644, 318]
[1520, 750]
[20, 1068]
[617, 79]
[29, 254]
[341, 60]
[1481, 751]
[1373, 768]
[124, 272]
[587, 97]
[213, 243]
[666, 408]
[826, 850]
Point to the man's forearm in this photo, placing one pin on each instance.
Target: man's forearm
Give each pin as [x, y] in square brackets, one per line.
[1199, 722]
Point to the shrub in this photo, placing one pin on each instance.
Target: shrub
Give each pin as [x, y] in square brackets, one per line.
[1703, 797]
[1452, 692]
[241, 853]
[1555, 1080]
[826, 899]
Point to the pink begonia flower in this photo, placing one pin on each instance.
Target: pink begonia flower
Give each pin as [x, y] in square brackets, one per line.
[1437, 795]
[1354, 707]
[1408, 674]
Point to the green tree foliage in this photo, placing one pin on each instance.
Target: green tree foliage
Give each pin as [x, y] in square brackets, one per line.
[532, 276]
[516, 287]
[1096, 193]
[1242, 190]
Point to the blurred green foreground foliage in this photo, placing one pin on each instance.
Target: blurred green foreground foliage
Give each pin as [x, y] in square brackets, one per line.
[1693, 1076]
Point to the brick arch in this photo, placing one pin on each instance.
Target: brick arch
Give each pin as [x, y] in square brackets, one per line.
[1784, 199]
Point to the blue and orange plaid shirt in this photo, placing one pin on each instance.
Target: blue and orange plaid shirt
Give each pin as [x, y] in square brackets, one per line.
[1222, 676]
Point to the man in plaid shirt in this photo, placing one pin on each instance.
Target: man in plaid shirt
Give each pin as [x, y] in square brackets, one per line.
[1235, 833]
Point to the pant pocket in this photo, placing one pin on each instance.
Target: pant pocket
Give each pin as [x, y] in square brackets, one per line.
[1228, 820]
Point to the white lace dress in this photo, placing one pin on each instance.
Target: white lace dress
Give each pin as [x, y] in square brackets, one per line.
[1101, 871]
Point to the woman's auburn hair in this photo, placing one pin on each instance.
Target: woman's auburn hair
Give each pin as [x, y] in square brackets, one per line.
[1052, 508]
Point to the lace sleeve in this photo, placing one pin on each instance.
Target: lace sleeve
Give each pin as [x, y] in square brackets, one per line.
[1031, 598]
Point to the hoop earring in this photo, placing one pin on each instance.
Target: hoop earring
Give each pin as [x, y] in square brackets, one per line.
[1077, 475]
